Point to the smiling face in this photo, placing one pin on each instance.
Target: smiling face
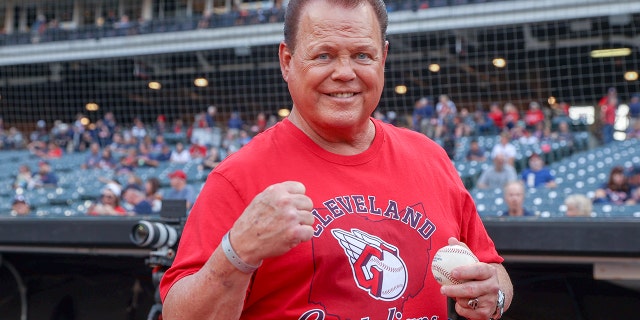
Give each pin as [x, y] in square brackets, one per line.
[336, 73]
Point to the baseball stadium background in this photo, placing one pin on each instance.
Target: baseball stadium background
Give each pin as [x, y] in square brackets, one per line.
[66, 64]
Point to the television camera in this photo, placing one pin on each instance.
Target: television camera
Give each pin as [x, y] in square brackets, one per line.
[163, 236]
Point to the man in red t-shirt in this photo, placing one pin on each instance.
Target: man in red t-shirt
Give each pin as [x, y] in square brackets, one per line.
[331, 214]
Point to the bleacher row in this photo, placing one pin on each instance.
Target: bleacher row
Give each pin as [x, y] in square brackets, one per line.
[580, 173]
[470, 170]
[579, 170]
[193, 22]
[77, 188]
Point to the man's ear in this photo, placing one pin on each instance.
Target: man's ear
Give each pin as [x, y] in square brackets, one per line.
[285, 56]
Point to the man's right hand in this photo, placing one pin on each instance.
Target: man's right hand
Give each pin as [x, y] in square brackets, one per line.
[276, 220]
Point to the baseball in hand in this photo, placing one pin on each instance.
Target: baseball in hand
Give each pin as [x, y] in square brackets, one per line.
[448, 258]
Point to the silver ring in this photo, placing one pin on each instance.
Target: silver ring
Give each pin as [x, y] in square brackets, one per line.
[473, 303]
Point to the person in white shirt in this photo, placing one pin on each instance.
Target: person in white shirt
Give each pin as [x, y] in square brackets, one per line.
[505, 148]
[180, 154]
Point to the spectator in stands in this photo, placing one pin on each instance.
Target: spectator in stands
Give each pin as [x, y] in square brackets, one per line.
[93, 158]
[564, 134]
[235, 123]
[634, 111]
[158, 143]
[77, 131]
[445, 112]
[514, 195]
[523, 135]
[446, 105]
[200, 120]
[505, 148]
[109, 119]
[60, 133]
[15, 139]
[260, 123]
[607, 108]
[197, 151]
[212, 116]
[136, 200]
[633, 174]
[212, 160]
[206, 20]
[484, 125]
[138, 130]
[534, 115]
[578, 205]
[101, 133]
[178, 130]
[468, 126]
[164, 155]
[20, 206]
[496, 115]
[118, 147]
[109, 202]
[180, 189]
[53, 151]
[537, 175]
[511, 115]
[106, 162]
[38, 28]
[129, 162]
[634, 133]
[40, 134]
[616, 190]
[180, 154]
[152, 190]
[45, 176]
[124, 26]
[422, 117]
[475, 152]
[458, 127]
[160, 127]
[497, 175]
[23, 178]
[145, 158]
[231, 143]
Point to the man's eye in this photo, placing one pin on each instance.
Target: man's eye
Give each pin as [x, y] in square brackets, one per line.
[323, 56]
[362, 56]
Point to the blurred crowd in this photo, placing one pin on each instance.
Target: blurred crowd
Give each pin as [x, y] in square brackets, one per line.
[111, 24]
[208, 138]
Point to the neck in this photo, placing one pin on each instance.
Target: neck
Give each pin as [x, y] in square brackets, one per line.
[343, 141]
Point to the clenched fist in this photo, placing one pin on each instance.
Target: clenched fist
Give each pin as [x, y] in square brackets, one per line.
[277, 219]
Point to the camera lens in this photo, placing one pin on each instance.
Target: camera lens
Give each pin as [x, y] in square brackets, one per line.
[153, 234]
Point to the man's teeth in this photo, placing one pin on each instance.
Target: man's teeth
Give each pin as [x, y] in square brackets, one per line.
[342, 95]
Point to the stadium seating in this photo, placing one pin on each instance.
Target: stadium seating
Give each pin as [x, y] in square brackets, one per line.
[580, 173]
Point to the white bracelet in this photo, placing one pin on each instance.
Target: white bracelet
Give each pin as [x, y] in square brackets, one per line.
[233, 257]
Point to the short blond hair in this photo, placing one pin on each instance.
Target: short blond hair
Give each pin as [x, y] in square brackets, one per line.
[581, 203]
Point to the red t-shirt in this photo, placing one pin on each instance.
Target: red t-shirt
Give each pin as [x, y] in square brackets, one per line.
[497, 118]
[608, 113]
[533, 117]
[396, 204]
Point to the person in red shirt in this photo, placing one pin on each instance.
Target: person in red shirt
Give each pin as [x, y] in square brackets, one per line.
[534, 115]
[197, 151]
[331, 213]
[511, 115]
[109, 202]
[496, 115]
[608, 106]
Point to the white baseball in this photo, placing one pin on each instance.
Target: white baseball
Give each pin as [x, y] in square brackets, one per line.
[448, 258]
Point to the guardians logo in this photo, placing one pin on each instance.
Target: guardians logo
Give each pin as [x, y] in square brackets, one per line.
[384, 265]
